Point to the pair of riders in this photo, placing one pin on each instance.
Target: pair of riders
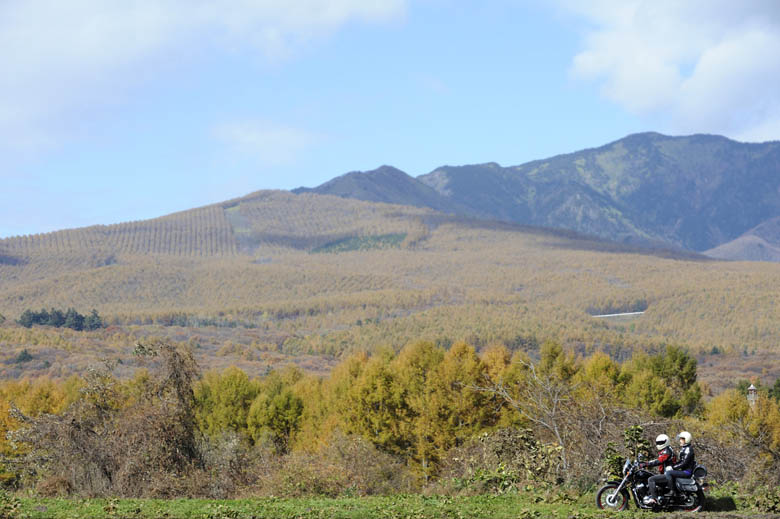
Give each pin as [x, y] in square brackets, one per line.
[670, 467]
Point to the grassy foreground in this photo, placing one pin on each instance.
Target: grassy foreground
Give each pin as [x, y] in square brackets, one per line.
[389, 507]
[516, 506]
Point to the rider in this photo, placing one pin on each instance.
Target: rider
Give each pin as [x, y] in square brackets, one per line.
[665, 459]
[685, 461]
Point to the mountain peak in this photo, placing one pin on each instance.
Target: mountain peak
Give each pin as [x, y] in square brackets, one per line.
[385, 170]
[337, 184]
[384, 184]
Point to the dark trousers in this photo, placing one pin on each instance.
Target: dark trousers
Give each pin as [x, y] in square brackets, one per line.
[671, 474]
[660, 479]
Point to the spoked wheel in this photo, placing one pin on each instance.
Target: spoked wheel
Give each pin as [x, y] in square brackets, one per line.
[608, 498]
[694, 503]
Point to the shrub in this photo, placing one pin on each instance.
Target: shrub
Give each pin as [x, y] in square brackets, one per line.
[232, 465]
[348, 465]
[54, 486]
[22, 357]
[103, 445]
[496, 461]
[10, 506]
[305, 474]
[767, 500]
[612, 462]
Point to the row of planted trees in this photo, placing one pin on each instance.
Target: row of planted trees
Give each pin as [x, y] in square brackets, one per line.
[383, 422]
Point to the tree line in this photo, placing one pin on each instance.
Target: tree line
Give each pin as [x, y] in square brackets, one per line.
[387, 422]
[57, 318]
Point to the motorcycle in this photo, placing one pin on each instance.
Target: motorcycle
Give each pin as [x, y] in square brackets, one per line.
[688, 494]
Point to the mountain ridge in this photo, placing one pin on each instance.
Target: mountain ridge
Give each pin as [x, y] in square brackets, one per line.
[692, 192]
[695, 193]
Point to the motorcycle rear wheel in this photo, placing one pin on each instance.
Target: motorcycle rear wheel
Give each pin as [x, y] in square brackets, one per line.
[608, 499]
[698, 503]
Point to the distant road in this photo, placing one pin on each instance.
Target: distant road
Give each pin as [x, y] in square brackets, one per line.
[618, 315]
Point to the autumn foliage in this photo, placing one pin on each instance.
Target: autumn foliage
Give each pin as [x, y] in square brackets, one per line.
[378, 423]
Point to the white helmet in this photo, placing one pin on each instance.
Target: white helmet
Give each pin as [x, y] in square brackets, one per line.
[661, 442]
[686, 436]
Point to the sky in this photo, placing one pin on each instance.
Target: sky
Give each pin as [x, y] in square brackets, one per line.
[119, 110]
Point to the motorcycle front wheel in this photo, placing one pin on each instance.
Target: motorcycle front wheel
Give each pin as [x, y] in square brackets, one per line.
[608, 499]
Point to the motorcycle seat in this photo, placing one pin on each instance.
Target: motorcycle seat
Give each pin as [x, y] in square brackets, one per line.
[686, 484]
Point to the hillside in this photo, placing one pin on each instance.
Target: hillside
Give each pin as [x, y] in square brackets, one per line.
[761, 243]
[694, 192]
[276, 277]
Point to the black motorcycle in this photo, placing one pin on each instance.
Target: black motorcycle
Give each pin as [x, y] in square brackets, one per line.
[688, 494]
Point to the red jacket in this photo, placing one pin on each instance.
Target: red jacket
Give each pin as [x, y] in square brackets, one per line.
[665, 459]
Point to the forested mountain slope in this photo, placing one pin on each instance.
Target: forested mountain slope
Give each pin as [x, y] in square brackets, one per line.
[694, 192]
[274, 277]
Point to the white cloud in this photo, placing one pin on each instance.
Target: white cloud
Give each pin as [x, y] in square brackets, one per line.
[697, 65]
[264, 141]
[60, 58]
